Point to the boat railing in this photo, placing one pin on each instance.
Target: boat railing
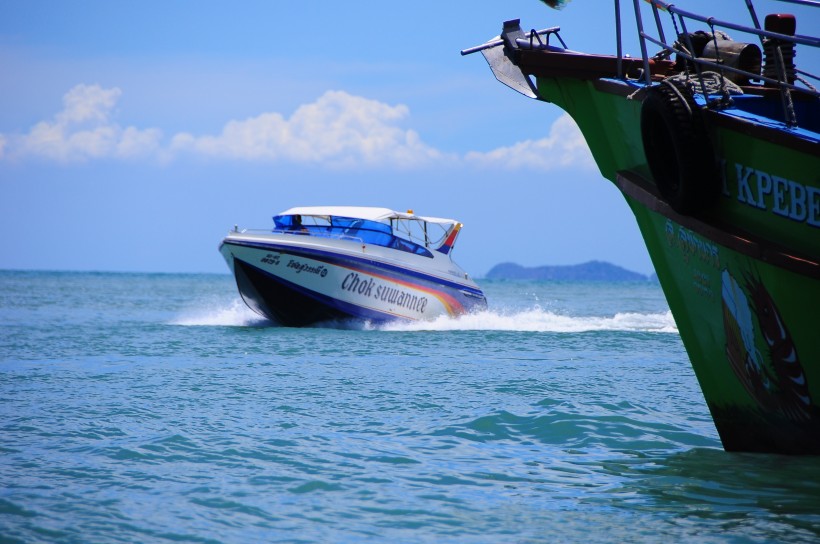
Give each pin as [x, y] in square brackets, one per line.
[528, 40]
[317, 231]
[251, 231]
[302, 232]
[778, 48]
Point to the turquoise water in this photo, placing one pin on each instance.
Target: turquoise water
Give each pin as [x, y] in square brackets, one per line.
[156, 408]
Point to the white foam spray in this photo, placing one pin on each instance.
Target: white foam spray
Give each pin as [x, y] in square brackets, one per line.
[538, 320]
[236, 314]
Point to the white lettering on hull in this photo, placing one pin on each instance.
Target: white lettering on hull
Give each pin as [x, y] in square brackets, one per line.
[784, 197]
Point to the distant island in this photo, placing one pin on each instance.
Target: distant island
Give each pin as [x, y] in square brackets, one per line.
[591, 271]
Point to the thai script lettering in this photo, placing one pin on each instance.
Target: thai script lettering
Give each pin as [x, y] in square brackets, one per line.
[304, 267]
[690, 244]
[370, 288]
[784, 197]
[702, 284]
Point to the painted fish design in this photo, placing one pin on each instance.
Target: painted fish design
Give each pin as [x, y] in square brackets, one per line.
[781, 384]
[795, 400]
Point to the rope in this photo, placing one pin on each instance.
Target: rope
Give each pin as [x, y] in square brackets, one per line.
[675, 90]
[682, 45]
[806, 82]
[785, 95]
[713, 82]
[725, 97]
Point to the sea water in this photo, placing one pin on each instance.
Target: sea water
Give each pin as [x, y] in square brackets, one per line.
[158, 408]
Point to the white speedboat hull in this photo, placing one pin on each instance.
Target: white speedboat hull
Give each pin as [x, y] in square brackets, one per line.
[297, 281]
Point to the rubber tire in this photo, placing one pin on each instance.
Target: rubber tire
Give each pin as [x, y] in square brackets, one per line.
[678, 149]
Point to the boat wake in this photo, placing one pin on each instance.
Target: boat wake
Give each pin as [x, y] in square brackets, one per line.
[237, 314]
[529, 320]
[538, 320]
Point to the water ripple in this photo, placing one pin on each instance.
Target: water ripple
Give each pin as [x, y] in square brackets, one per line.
[132, 412]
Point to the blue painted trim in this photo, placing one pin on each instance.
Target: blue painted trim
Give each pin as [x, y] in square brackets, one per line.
[334, 258]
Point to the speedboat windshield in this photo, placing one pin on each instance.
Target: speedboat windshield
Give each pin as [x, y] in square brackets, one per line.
[363, 230]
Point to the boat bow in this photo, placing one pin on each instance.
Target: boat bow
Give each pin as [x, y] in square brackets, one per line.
[715, 145]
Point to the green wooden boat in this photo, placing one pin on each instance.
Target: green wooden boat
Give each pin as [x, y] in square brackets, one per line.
[715, 145]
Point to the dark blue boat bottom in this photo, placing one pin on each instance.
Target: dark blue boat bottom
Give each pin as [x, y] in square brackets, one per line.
[280, 302]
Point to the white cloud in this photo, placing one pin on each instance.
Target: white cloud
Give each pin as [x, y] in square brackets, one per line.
[337, 129]
[88, 103]
[83, 130]
[564, 147]
[133, 142]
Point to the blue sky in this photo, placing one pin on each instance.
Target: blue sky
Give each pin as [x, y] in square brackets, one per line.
[133, 135]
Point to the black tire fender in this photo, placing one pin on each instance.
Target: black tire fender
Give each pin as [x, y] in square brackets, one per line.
[678, 149]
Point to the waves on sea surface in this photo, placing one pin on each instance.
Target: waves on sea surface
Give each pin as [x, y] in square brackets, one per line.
[152, 408]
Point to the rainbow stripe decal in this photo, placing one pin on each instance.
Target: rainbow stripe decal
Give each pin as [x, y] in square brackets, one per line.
[453, 306]
[451, 239]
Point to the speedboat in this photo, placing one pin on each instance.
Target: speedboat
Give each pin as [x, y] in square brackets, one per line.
[714, 142]
[328, 263]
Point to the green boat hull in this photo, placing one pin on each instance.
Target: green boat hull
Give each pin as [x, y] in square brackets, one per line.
[740, 277]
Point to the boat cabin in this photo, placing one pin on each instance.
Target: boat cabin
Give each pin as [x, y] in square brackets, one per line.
[376, 226]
